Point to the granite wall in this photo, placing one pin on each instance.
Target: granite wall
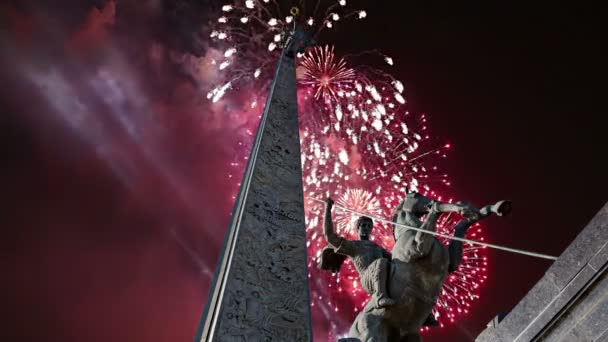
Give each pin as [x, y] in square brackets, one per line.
[570, 302]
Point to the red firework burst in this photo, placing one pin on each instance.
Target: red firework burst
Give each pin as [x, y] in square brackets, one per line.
[325, 74]
[359, 200]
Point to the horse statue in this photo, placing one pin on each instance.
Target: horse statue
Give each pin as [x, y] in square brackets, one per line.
[406, 283]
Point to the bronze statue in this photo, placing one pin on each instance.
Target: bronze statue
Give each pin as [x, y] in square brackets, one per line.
[418, 266]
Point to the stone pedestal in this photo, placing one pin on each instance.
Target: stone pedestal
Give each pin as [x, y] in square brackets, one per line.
[570, 302]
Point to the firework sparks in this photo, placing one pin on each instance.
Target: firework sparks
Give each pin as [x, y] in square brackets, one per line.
[364, 148]
[359, 144]
[243, 29]
[359, 200]
[324, 74]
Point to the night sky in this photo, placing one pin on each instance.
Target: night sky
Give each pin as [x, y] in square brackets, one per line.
[113, 219]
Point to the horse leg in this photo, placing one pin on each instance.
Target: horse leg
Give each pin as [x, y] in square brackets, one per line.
[370, 327]
[500, 208]
[455, 247]
[425, 241]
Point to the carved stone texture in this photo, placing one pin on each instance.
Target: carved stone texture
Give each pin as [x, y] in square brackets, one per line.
[261, 290]
[570, 302]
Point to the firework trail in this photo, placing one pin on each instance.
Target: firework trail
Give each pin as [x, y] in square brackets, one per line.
[360, 145]
[251, 35]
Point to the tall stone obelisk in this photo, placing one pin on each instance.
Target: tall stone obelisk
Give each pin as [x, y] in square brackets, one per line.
[260, 289]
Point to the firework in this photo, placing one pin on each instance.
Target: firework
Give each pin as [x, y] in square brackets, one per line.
[359, 200]
[359, 143]
[361, 146]
[461, 288]
[324, 74]
[252, 33]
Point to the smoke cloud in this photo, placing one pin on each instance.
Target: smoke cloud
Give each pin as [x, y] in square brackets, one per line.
[121, 175]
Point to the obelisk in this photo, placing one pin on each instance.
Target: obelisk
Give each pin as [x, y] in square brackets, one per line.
[260, 289]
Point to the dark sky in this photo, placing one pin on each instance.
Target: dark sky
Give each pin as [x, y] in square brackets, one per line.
[103, 238]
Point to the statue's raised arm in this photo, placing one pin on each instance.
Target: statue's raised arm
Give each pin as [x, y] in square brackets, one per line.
[330, 235]
[330, 260]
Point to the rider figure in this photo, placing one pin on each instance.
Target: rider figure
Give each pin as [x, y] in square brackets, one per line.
[370, 260]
